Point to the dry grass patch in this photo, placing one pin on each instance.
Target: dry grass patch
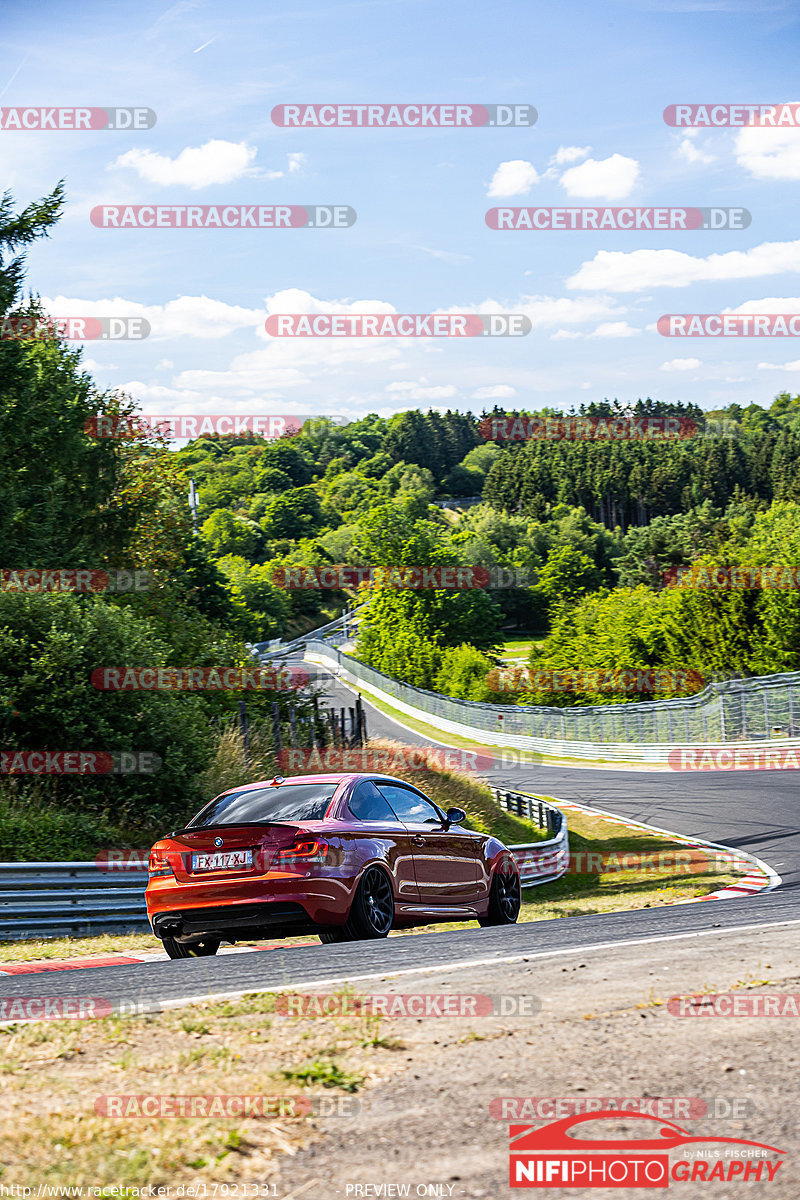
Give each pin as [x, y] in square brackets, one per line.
[55, 1071]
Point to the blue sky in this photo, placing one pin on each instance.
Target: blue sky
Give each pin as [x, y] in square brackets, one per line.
[599, 76]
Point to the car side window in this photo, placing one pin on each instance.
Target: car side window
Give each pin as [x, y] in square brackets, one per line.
[411, 807]
[367, 804]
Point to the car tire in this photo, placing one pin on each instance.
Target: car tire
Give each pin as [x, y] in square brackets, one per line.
[371, 913]
[200, 949]
[505, 898]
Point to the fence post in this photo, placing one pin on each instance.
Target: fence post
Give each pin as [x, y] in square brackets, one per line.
[245, 730]
[293, 725]
[276, 730]
[791, 710]
[362, 722]
[353, 738]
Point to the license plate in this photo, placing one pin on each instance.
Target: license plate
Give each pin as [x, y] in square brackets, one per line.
[223, 860]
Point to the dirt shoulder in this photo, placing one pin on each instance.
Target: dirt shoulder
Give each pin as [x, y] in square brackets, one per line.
[603, 1031]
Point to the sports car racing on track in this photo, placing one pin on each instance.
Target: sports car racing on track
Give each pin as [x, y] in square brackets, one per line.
[345, 856]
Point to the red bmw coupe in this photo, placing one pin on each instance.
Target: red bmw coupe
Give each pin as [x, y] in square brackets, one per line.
[343, 856]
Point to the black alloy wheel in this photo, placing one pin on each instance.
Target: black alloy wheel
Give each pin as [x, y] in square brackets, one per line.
[505, 898]
[372, 912]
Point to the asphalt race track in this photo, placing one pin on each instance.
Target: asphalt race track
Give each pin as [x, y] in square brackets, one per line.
[756, 811]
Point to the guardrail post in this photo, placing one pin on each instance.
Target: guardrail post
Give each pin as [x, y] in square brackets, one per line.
[277, 740]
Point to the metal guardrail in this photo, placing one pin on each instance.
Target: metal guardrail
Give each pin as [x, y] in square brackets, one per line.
[267, 650]
[538, 862]
[41, 899]
[765, 708]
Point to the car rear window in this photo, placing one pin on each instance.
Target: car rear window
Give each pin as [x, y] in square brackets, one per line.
[286, 802]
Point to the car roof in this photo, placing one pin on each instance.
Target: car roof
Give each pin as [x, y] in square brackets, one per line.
[336, 777]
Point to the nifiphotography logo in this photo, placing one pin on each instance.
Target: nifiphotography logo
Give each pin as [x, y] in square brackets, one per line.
[552, 1157]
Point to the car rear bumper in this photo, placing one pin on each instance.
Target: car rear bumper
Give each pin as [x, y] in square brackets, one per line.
[280, 905]
[234, 921]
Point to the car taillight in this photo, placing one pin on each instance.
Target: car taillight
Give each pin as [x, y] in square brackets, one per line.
[305, 851]
[158, 864]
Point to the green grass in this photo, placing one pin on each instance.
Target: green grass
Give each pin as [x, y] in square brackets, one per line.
[328, 1074]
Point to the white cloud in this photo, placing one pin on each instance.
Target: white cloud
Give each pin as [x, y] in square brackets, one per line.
[188, 316]
[513, 178]
[91, 364]
[769, 153]
[615, 329]
[195, 167]
[619, 271]
[689, 152]
[499, 391]
[448, 256]
[569, 154]
[611, 178]
[681, 364]
[770, 304]
[546, 311]
[295, 163]
[417, 391]
[790, 366]
[563, 335]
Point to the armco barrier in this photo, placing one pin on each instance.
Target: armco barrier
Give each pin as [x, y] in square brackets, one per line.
[734, 714]
[538, 862]
[70, 899]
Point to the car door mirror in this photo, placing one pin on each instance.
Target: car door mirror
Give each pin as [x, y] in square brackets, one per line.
[455, 816]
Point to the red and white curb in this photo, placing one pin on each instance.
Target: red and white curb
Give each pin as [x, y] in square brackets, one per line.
[40, 966]
[759, 878]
